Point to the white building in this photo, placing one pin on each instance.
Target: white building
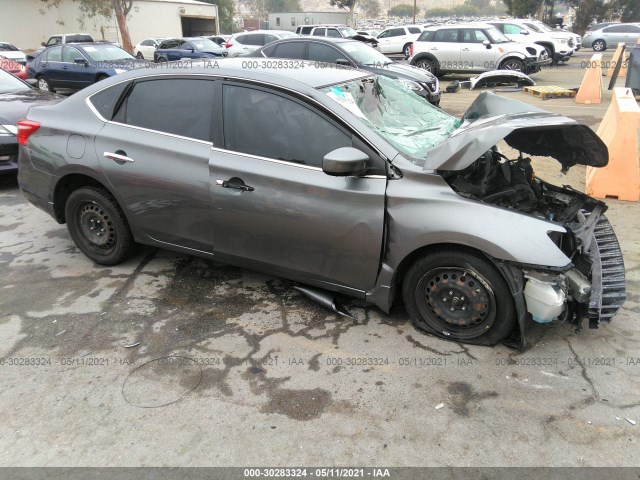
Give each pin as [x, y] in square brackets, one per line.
[27, 23]
[291, 20]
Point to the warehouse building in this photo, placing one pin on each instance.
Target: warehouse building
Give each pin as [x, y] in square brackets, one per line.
[27, 23]
[291, 20]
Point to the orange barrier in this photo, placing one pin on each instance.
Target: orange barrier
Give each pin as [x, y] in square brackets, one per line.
[614, 61]
[619, 131]
[591, 87]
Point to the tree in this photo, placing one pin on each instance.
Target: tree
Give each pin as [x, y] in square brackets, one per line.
[586, 12]
[402, 10]
[523, 8]
[371, 8]
[627, 10]
[106, 9]
[226, 10]
[277, 6]
[348, 5]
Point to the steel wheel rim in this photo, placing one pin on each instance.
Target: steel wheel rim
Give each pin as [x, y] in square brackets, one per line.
[457, 301]
[96, 227]
[43, 85]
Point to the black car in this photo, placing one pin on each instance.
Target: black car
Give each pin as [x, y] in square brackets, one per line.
[192, 47]
[352, 53]
[16, 97]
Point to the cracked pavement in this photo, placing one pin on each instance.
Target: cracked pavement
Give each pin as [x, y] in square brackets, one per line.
[170, 360]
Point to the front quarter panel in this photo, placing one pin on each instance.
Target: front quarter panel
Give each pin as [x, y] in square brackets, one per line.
[423, 210]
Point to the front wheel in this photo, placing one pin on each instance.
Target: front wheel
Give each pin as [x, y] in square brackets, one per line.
[599, 46]
[98, 227]
[512, 64]
[406, 50]
[459, 296]
[139, 56]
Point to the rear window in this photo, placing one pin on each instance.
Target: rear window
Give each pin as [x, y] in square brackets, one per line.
[414, 30]
[106, 100]
[426, 37]
[78, 38]
[7, 47]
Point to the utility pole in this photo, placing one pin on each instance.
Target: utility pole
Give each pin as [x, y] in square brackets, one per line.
[414, 11]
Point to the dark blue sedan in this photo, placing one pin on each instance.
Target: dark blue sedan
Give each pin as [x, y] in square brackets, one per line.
[192, 47]
[75, 66]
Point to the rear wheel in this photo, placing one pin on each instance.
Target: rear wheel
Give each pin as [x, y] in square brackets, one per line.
[161, 59]
[427, 64]
[599, 46]
[459, 296]
[44, 85]
[512, 64]
[98, 227]
[406, 50]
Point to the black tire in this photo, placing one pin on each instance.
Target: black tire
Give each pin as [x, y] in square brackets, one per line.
[459, 296]
[98, 227]
[549, 51]
[139, 56]
[406, 50]
[44, 85]
[512, 64]
[427, 64]
[599, 46]
[161, 60]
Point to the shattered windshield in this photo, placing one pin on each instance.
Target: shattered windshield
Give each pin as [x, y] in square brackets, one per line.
[400, 116]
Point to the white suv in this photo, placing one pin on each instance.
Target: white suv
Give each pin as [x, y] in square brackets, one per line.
[556, 43]
[398, 40]
[246, 42]
[473, 48]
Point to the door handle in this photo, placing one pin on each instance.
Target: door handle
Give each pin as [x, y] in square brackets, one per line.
[466, 49]
[433, 48]
[118, 157]
[65, 68]
[236, 186]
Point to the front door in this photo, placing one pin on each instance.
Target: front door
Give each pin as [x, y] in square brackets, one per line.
[274, 207]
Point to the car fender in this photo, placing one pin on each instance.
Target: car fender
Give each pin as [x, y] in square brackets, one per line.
[511, 54]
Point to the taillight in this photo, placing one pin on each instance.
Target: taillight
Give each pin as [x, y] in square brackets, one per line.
[411, 50]
[25, 129]
[228, 45]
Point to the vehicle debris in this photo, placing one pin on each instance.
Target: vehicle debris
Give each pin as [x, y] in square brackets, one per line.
[132, 345]
[498, 77]
[439, 406]
[60, 333]
[326, 299]
[632, 422]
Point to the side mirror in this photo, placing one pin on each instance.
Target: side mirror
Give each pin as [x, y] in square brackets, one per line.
[43, 44]
[189, 49]
[486, 43]
[345, 162]
[80, 61]
[524, 32]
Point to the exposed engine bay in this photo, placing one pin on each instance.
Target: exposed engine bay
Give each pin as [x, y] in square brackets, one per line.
[593, 286]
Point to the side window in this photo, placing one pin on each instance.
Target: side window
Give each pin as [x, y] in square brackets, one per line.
[105, 101]
[269, 38]
[290, 50]
[446, 35]
[473, 36]
[154, 104]
[242, 39]
[333, 32]
[384, 34]
[414, 30]
[319, 32]
[511, 29]
[426, 37]
[256, 39]
[54, 41]
[147, 43]
[396, 32]
[323, 53]
[249, 127]
[499, 26]
[185, 46]
[54, 54]
[69, 54]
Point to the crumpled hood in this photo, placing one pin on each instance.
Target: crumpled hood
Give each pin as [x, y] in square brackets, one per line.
[534, 131]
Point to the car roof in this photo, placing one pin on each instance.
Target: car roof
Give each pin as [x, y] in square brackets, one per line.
[262, 31]
[460, 25]
[315, 39]
[263, 69]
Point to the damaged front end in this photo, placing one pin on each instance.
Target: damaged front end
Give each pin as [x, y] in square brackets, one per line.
[592, 286]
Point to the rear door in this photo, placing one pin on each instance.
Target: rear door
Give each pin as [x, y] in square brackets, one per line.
[446, 48]
[155, 153]
[274, 207]
[51, 69]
